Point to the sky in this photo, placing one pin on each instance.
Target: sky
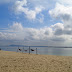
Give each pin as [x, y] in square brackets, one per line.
[36, 22]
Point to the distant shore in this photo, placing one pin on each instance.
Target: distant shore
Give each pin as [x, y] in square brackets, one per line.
[23, 62]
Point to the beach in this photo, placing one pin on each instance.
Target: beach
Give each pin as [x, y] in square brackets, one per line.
[24, 62]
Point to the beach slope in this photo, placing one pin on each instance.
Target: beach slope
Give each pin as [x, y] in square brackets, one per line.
[22, 62]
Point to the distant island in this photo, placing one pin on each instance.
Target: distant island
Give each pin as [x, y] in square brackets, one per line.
[40, 46]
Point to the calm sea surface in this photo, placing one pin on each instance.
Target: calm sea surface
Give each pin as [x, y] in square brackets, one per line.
[42, 50]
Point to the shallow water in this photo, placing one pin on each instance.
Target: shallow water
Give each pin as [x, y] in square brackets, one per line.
[42, 50]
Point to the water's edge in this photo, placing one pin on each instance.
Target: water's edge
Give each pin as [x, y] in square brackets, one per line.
[42, 50]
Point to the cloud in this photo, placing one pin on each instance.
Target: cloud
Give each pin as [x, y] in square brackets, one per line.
[56, 33]
[7, 36]
[38, 34]
[64, 13]
[16, 27]
[21, 7]
[22, 33]
[66, 2]
[45, 33]
[33, 10]
[58, 26]
[60, 39]
[59, 29]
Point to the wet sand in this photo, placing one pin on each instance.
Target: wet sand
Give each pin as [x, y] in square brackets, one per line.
[23, 62]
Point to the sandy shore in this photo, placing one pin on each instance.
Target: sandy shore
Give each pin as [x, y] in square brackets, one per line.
[21, 62]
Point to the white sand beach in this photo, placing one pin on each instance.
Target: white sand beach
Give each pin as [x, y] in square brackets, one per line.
[23, 62]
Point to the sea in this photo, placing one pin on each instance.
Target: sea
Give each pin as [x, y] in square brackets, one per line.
[43, 50]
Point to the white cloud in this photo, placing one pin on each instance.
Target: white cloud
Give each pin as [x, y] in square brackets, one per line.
[60, 11]
[66, 2]
[38, 34]
[22, 33]
[59, 29]
[7, 36]
[59, 32]
[56, 33]
[45, 33]
[31, 14]
[21, 7]
[16, 27]
[58, 26]
[64, 13]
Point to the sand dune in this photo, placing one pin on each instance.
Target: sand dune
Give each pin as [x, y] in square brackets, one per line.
[21, 62]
